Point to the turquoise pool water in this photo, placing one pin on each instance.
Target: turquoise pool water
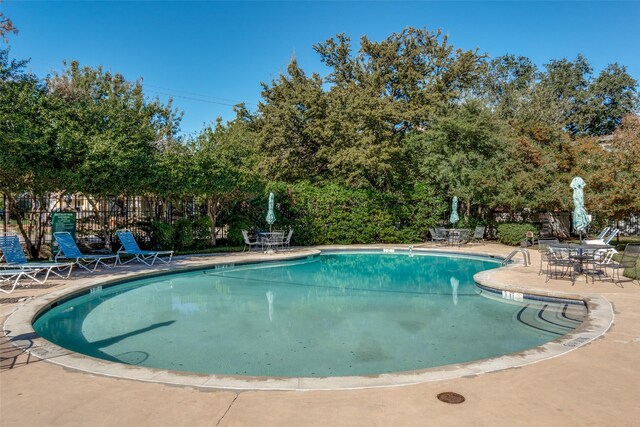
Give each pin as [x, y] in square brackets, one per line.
[336, 314]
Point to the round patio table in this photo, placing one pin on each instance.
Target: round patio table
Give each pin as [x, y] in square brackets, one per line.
[271, 239]
[583, 254]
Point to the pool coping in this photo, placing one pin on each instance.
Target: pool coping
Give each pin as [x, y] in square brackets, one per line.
[600, 318]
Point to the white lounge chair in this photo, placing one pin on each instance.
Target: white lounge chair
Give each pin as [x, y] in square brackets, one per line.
[604, 241]
[14, 275]
[603, 233]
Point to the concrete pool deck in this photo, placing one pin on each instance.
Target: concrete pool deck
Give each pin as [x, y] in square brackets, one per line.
[596, 384]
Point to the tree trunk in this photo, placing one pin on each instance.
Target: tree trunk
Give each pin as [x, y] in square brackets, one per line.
[212, 212]
[33, 253]
[104, 222]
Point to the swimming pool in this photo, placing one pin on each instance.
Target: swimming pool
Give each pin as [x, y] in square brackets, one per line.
[337, 314]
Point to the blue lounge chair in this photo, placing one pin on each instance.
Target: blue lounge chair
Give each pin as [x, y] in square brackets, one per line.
[15, 258]
[130, 247]
[68, 249]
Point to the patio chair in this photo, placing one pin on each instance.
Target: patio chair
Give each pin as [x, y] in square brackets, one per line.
[15, 258]
[286, 242]
[560, 264]
[68, 249]
[543, 247]
[14, 275]
[248, 243]
[130, 247]
[437, 237]
[629, 261]
[464, 236]
[478, 234]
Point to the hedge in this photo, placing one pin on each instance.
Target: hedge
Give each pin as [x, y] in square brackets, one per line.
[511, 233]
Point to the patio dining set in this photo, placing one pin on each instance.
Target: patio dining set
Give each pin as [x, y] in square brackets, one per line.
[593, 258]
[457, 236]
[267, 241]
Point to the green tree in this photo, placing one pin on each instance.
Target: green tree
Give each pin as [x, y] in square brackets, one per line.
[27, 160]
[612, 96]
[461, 156]
[612, 172]
[6, 27]
[107, 135]
[218, 167]
[107, 131]
[291, 124]
[351, 130]
[508, 84]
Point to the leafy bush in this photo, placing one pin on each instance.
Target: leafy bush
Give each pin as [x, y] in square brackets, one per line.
[335, 214]
[182, 234]
[161, 235]
[234, 233]
[512, 233]
[201, 229]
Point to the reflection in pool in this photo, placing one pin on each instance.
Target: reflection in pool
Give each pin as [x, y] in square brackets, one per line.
[336, 314]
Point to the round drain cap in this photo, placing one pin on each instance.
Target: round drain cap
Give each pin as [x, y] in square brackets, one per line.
[450, 397]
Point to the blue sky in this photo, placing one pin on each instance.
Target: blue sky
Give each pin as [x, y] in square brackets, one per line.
[219, 52]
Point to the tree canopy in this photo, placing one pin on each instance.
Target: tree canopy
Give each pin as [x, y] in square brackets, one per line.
[398, 126]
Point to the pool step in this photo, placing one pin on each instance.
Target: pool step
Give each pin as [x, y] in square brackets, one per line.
[553, 319]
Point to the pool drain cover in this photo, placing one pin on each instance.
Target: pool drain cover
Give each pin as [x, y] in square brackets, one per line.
[450, 397]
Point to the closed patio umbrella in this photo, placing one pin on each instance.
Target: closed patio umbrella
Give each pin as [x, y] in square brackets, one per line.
[454, 218]
[271, 215]
[580, 217]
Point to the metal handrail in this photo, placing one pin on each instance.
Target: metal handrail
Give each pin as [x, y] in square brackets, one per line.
[525, 255]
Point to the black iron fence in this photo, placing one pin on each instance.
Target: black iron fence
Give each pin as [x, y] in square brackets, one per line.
[96, 218]
[629, 226]
[558, 223]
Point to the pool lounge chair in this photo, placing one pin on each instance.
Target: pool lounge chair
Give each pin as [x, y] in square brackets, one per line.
[14, 275]
[604, 240]
[15, 258]
[603, 233]
[68, 250]
[130, 247]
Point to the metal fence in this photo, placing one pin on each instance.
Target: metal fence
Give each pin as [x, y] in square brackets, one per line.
[629, 226]
[559, 223]
[96, 218]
